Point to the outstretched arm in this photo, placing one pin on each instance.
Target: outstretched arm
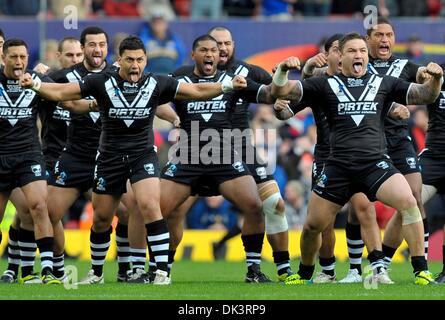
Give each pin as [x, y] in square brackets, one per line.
[427, 92]
[203, 91]
[52, 91]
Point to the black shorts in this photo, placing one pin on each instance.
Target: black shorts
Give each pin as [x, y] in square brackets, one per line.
[433, 170]
[317, 169]
[74, 171]
[18, 170]
[404, 157]
[258, 167]
[50, 172]
[112, 171]
[204, 179]
[339, 181]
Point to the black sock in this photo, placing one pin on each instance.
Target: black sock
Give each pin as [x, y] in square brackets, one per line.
[138, 257]
[229, 235]
[306, 272]
[13, 250]
[99, 244]
[59, 265]
[426, 235]
[123, 248]
[419, 264]
[281, 260]
[46, 246]
[376, 259]
[28, 246]
[389, 253]
[355, 246]
[253, 245]
[158, 238]
[171, 259]
[328, 265]
[151, 261]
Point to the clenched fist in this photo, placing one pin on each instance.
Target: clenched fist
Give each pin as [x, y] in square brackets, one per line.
[434, 70]
[26, 81]
[291, 63]
[239, 82]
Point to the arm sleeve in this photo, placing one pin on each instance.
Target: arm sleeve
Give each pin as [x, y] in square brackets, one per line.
[168, 86]
[260, 75]
[398, 91]
[89, 85]
[313, 90]
[251, 92]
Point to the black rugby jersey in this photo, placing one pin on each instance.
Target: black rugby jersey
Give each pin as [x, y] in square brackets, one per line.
[84, 129]
[55, 121]
[435, 137]
[355, 109]
[322, 147]
[404, 69]
[18, 116]
[215, 114]
[240, 116]
[127, 109]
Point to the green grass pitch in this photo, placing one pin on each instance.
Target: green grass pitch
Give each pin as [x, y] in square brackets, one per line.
[224, 281]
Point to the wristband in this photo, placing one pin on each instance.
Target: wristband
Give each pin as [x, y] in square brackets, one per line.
[36, 84]
[227, 85]
[280, 77]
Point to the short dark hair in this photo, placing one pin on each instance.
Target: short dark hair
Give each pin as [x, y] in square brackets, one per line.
[380, 20]
[131, 43]
[2, 34]
[329, 41]
[204, 37]
[91, 30]
[14, 42]
[348, 37]
[61, 42]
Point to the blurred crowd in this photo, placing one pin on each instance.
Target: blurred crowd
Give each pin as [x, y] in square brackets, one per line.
[217, 9]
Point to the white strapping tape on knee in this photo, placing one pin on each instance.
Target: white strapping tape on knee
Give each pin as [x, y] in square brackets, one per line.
[410, 216]
[275, 220]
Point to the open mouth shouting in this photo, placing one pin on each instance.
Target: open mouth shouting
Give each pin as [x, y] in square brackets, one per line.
[358, 67]
[384, 50]
[208, 66]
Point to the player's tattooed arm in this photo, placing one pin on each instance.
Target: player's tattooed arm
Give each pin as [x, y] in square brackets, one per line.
[281, 86]
[399, 111]
[282, 109]
[427, 92]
